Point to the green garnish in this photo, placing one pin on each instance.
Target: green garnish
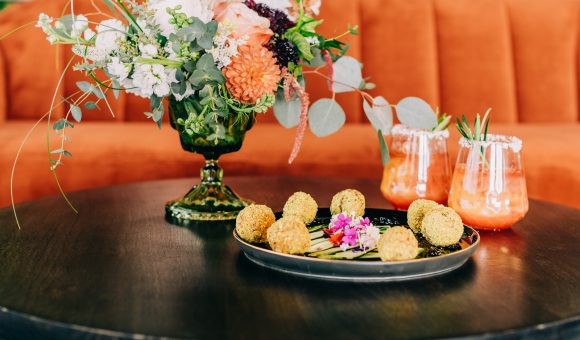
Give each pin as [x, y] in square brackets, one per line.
[442, 121]
[479, 133]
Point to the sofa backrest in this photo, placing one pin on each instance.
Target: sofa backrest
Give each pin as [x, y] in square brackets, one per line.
[519, 57]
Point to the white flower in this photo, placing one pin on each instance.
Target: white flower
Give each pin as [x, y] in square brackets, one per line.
[225, 47]
[315, 7]
[44, 22]
[370, 237]
[118, 70]
[52, 39]
[152, 79]
[80, 24]
[281, 5]
[109, 32]
[88, 34]
[201, 9]
[148, 51]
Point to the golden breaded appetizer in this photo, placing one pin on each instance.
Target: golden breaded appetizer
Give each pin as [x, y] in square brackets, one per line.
[442, 227]
[417, 211]
[302, 206]
[348, 201]
[398, 244]
[289, 235]
[253, 222]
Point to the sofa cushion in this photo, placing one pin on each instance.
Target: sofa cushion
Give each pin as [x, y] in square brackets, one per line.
[110, 153]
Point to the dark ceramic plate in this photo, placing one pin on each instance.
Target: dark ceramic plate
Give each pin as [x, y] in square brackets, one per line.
[363, 270]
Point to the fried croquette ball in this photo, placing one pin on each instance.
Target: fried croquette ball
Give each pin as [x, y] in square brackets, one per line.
[302, 206]
[398, 244]
[289, 235]
[417, 211]
[253, 222]
[348, 200]
[442, 227]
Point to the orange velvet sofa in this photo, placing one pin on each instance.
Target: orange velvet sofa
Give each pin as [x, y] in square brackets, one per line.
[519, 57]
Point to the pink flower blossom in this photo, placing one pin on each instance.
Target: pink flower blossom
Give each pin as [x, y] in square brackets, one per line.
[243, 22]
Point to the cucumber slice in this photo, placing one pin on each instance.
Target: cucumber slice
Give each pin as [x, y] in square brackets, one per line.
[346, 255]
[324, 245]
[316, 234]
[325, 252]
[315, 228]
[373, 255]
[318, 240]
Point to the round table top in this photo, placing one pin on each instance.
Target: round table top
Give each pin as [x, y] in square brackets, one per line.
[117, 269]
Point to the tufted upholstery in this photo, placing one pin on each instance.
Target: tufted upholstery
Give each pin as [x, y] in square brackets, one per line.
[519, 57]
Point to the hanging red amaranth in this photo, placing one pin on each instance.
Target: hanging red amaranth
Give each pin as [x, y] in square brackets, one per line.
[305, 103]
[329, 69]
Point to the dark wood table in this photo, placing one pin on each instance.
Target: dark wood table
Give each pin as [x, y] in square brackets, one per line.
[118, 269]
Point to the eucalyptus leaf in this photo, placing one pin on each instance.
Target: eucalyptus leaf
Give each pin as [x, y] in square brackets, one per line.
[385, 157]
[380, 114]
[91, 105]
[317, 60]
[287, 113]
[206, 63]
[189, 66]
[85, 86]
[98, 92]
[179, 75]
[326, 117]
[158, 114]
[61, 124]
[416, 113]
[76, 112]
[61, 151]
[205, 41]
[116, 89]
[347, 75]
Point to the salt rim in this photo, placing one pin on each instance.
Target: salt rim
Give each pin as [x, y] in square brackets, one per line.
[506, 142]
[405, 130]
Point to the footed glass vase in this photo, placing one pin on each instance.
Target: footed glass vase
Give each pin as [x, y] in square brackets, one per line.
[210, 135]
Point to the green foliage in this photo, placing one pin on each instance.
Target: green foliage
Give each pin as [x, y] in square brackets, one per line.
[385, 157]
[61, 124]
[380, 114]
[480, 127]
[443, 121]
[287, 113]
[416, 113]
[301, 43]
[325, 117]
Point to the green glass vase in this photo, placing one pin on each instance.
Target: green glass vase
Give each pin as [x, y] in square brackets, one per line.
[210, 135]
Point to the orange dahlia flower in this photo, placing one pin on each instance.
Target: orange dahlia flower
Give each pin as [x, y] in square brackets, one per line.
[252, 74]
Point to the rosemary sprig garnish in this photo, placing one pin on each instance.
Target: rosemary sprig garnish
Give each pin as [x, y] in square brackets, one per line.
[443, 121]
[480, 127]
[479, 133]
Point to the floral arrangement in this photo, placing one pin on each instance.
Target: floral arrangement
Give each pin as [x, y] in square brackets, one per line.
[226, 57]
[222, 60]
[350, 231]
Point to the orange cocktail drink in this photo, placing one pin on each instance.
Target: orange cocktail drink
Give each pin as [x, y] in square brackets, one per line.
[488, 189]
[419, 167]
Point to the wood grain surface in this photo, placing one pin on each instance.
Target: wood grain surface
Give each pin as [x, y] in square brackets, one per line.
[117, 269]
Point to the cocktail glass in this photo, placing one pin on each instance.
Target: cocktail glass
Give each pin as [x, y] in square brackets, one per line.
[488, 189]
[419, 167]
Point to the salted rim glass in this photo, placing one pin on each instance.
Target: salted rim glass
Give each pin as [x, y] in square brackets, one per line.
[507, 142]
[403, 130]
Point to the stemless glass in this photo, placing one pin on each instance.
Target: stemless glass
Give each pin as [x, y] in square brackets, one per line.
[488, 189]
[419, 167]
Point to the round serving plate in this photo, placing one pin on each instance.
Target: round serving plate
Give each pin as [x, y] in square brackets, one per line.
[362, 270]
